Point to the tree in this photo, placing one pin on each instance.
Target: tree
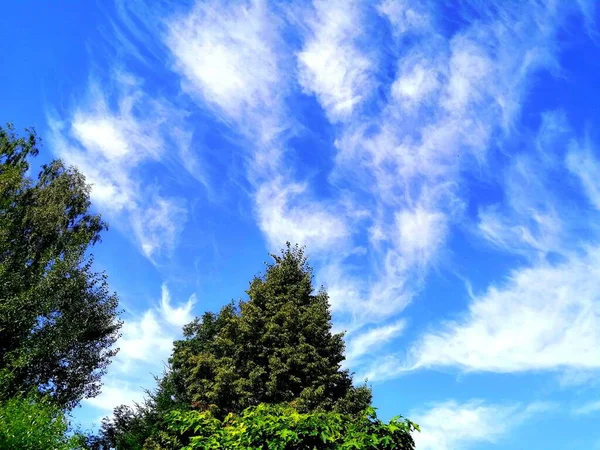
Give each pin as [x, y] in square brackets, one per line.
[58, 319]
[277, 347]
[32, 423]
[128, 428]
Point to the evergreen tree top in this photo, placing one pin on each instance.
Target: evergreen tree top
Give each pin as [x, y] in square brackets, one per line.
[275, 347]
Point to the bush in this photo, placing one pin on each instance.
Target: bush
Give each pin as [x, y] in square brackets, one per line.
[30, 423]
[284, 428]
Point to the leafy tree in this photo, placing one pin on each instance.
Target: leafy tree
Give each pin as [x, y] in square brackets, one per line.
[284, 428]
[58, 320]
[277, 347]
[128, 428]
[33, 423]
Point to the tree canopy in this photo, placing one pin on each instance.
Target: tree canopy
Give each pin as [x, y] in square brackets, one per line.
[276, 347]
[274, 350]
[58, 319]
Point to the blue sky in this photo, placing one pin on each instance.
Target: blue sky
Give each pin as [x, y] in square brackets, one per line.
[438, 159]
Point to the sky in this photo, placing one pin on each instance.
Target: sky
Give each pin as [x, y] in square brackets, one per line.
[440, 161]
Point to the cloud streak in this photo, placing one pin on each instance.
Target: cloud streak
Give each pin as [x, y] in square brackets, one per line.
[330, 64]
[454, 426]
[112, 142]
[227, 59]
[404, 144]
[545, 318]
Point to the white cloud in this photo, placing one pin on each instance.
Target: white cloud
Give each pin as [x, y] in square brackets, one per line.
[409, 165]
[226, 54]
[470, 68]
[532, 224]
[149, 337]
[404, 157]
[158, 224]
[545, 318]
[413, 241]
[420, 234]
[586, 167]
[101, 135]
[331, 65]
[115, 393]
[405, 15]
[360, 300]
[286, 214]
[144, 340]
[534, 230]
[111, 144]
[455, 426]
[123, 135]
[449, 97]
[177, 316]
[415, 83]
[144, 349]
[111, 188]
[372, 339]
[577, 377]
[395, 190]
[587, 409]
[230, 57]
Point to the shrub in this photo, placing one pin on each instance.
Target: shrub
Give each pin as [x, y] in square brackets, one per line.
[284, 428]
[30, 423]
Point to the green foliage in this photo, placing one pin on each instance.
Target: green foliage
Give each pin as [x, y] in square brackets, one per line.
[130, 427]
[29, 423]
[277, 347]
[58, 320]
[232, 368]
[126, 429]
[284, 428]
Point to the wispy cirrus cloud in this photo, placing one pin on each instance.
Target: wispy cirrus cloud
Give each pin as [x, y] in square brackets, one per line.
[176, 316]
[535, 224]
[148, 338]
[455, 426]
[546, 317]
[331, 65]
[404, 143]
[112, 136]
[409, 129]
[546, 314]
[581, 162]
[227, 57]
[449, 98]
[386, 137]
[372, 339]
[587, 408]
[246, 85]
[284, 215]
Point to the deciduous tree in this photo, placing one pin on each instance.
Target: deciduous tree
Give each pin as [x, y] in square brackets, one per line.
[58, 318]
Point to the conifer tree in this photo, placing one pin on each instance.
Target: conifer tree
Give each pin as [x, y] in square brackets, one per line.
[276, 347]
